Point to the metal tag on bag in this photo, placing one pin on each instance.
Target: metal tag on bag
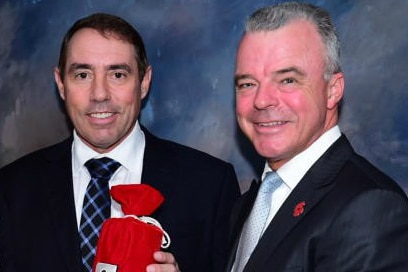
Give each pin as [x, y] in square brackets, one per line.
[104, 267]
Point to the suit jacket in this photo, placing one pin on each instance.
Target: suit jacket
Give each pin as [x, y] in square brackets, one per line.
[38, 229]
[344, 215]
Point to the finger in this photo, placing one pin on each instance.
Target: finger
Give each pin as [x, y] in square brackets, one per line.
[162, 268]
[164, 257]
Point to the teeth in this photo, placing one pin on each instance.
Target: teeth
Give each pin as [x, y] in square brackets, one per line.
[275, 123]
[101, 115]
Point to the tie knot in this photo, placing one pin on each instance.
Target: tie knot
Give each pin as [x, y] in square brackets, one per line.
[102, 168]
[271, 182]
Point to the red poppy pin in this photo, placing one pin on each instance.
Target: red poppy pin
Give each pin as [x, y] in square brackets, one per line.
[299, 209]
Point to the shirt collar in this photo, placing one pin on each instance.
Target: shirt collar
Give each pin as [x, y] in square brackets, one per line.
[294, 170]
[128, 153]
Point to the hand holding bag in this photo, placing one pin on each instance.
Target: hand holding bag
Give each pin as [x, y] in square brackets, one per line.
[127, 244]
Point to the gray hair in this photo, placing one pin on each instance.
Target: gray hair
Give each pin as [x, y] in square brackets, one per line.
[276, 16]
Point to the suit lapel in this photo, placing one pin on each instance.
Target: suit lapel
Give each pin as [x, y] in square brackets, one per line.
[243, 207]
[154, 169]
[316, 183]
[58, 187]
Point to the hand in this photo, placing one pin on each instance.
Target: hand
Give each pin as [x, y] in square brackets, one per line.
[165, 262]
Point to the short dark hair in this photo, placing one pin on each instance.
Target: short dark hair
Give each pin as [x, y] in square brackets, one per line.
[107, 24]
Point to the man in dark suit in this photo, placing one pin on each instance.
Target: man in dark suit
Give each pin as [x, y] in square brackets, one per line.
[102, 76]
[320, 206]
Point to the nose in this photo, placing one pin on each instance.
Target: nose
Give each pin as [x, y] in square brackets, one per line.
[266, 96]
[100, 89]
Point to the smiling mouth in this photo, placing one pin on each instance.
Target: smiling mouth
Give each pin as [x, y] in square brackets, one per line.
[272, 124]
[101, 115]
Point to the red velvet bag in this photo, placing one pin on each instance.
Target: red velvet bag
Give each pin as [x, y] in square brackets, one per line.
[127, 244]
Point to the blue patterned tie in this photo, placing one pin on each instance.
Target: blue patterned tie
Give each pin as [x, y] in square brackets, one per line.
[96, 206]
[254, 225]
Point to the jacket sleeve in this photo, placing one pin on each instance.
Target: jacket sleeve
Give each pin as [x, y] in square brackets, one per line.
[369, 234]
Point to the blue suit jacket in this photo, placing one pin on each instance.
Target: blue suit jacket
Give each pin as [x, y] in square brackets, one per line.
[354, 218]
[38, 229]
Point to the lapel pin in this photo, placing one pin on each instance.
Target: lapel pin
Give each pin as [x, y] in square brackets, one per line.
[299, 209]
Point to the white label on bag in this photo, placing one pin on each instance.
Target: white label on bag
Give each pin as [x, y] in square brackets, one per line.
[104, 267]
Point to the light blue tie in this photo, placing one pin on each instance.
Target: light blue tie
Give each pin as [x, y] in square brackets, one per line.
[253, 227]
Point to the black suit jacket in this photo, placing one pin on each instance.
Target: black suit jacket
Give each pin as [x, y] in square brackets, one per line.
[354, 218]
[38, 230]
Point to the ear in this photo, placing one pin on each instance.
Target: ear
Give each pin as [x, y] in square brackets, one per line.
[335, 90]
[60, 84]
[145, 84]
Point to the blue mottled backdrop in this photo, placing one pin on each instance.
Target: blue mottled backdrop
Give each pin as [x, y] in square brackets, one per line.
[191, 45]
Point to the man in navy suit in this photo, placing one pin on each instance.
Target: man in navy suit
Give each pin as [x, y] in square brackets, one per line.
[102, 76]
[330, 209]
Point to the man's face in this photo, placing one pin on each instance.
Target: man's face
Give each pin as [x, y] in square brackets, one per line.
[101, 88]
[283, 102]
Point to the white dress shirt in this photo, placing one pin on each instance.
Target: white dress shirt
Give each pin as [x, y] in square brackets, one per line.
[294, 170]
[130, 155]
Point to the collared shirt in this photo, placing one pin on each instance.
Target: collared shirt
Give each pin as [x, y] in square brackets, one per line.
[294, 170]
[129, 154]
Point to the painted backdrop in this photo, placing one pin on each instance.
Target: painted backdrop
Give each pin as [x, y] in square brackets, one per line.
[191, 45]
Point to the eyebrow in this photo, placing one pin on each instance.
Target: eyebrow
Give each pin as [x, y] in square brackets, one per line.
[120, 66]
[76, 66]
[243, 76]
[291, 69]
